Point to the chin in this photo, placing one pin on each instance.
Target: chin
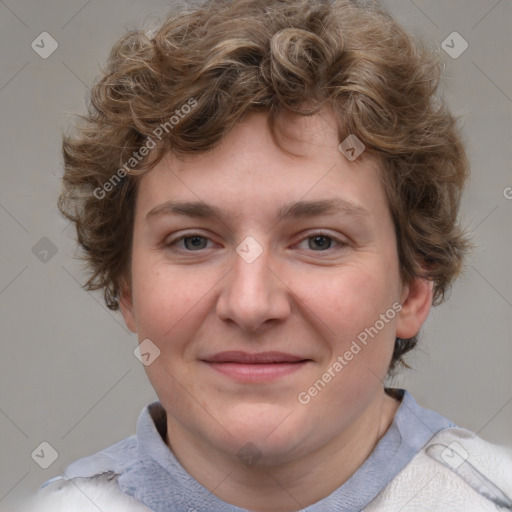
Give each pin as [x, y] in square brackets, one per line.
[271, 437]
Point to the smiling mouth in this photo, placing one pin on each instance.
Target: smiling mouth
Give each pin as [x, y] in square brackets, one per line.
[262, 366]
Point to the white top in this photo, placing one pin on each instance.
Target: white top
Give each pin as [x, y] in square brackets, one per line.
[423, 462]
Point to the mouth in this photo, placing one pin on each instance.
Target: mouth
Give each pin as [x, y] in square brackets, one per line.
[255, 367]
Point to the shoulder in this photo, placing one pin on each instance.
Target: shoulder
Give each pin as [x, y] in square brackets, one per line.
[116, 458]
[456, 470]
[90, 483]
[99, 492]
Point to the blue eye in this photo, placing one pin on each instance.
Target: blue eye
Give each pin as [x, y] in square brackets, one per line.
[317, 242]
[191, 242]
[322, 242]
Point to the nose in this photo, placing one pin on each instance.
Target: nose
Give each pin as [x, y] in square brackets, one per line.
[253, 294]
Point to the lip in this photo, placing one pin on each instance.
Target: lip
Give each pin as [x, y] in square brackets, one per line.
[255, 367]
[236, 356]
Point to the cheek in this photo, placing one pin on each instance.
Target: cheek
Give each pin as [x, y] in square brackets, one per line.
[357, 308]
[167, 301]
[351, 297]
[354, 310]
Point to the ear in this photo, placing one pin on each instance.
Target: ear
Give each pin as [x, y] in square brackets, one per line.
[416, 301]
[126, 306]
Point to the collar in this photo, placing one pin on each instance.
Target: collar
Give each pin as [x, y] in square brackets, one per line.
[159, 481]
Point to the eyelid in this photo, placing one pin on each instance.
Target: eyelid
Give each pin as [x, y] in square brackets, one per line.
[340, 241]
[168, 242]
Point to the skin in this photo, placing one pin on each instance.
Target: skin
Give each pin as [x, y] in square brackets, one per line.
[305, 296]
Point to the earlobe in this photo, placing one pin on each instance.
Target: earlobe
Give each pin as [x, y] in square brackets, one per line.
[126, 306]
[416, 303]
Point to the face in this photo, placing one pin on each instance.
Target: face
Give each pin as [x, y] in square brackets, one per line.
[259, 296]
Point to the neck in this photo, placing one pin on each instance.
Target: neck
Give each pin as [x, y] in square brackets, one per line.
[293, 485]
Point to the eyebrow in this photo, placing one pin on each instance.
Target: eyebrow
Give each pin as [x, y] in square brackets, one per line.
[298, 209]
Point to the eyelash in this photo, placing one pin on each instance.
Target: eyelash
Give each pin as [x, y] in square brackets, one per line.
[341, 243]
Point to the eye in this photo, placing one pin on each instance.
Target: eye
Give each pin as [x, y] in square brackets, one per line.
[191, 242]
[317, 242]
[321, 242]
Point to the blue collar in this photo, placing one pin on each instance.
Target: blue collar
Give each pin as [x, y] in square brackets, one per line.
[150, 472]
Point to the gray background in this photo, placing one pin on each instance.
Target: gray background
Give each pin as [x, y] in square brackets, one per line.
[68, 374]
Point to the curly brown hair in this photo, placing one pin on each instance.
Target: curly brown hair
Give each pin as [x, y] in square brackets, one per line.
[226, 58]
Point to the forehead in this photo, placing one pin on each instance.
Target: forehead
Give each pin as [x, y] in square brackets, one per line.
[250, 171]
